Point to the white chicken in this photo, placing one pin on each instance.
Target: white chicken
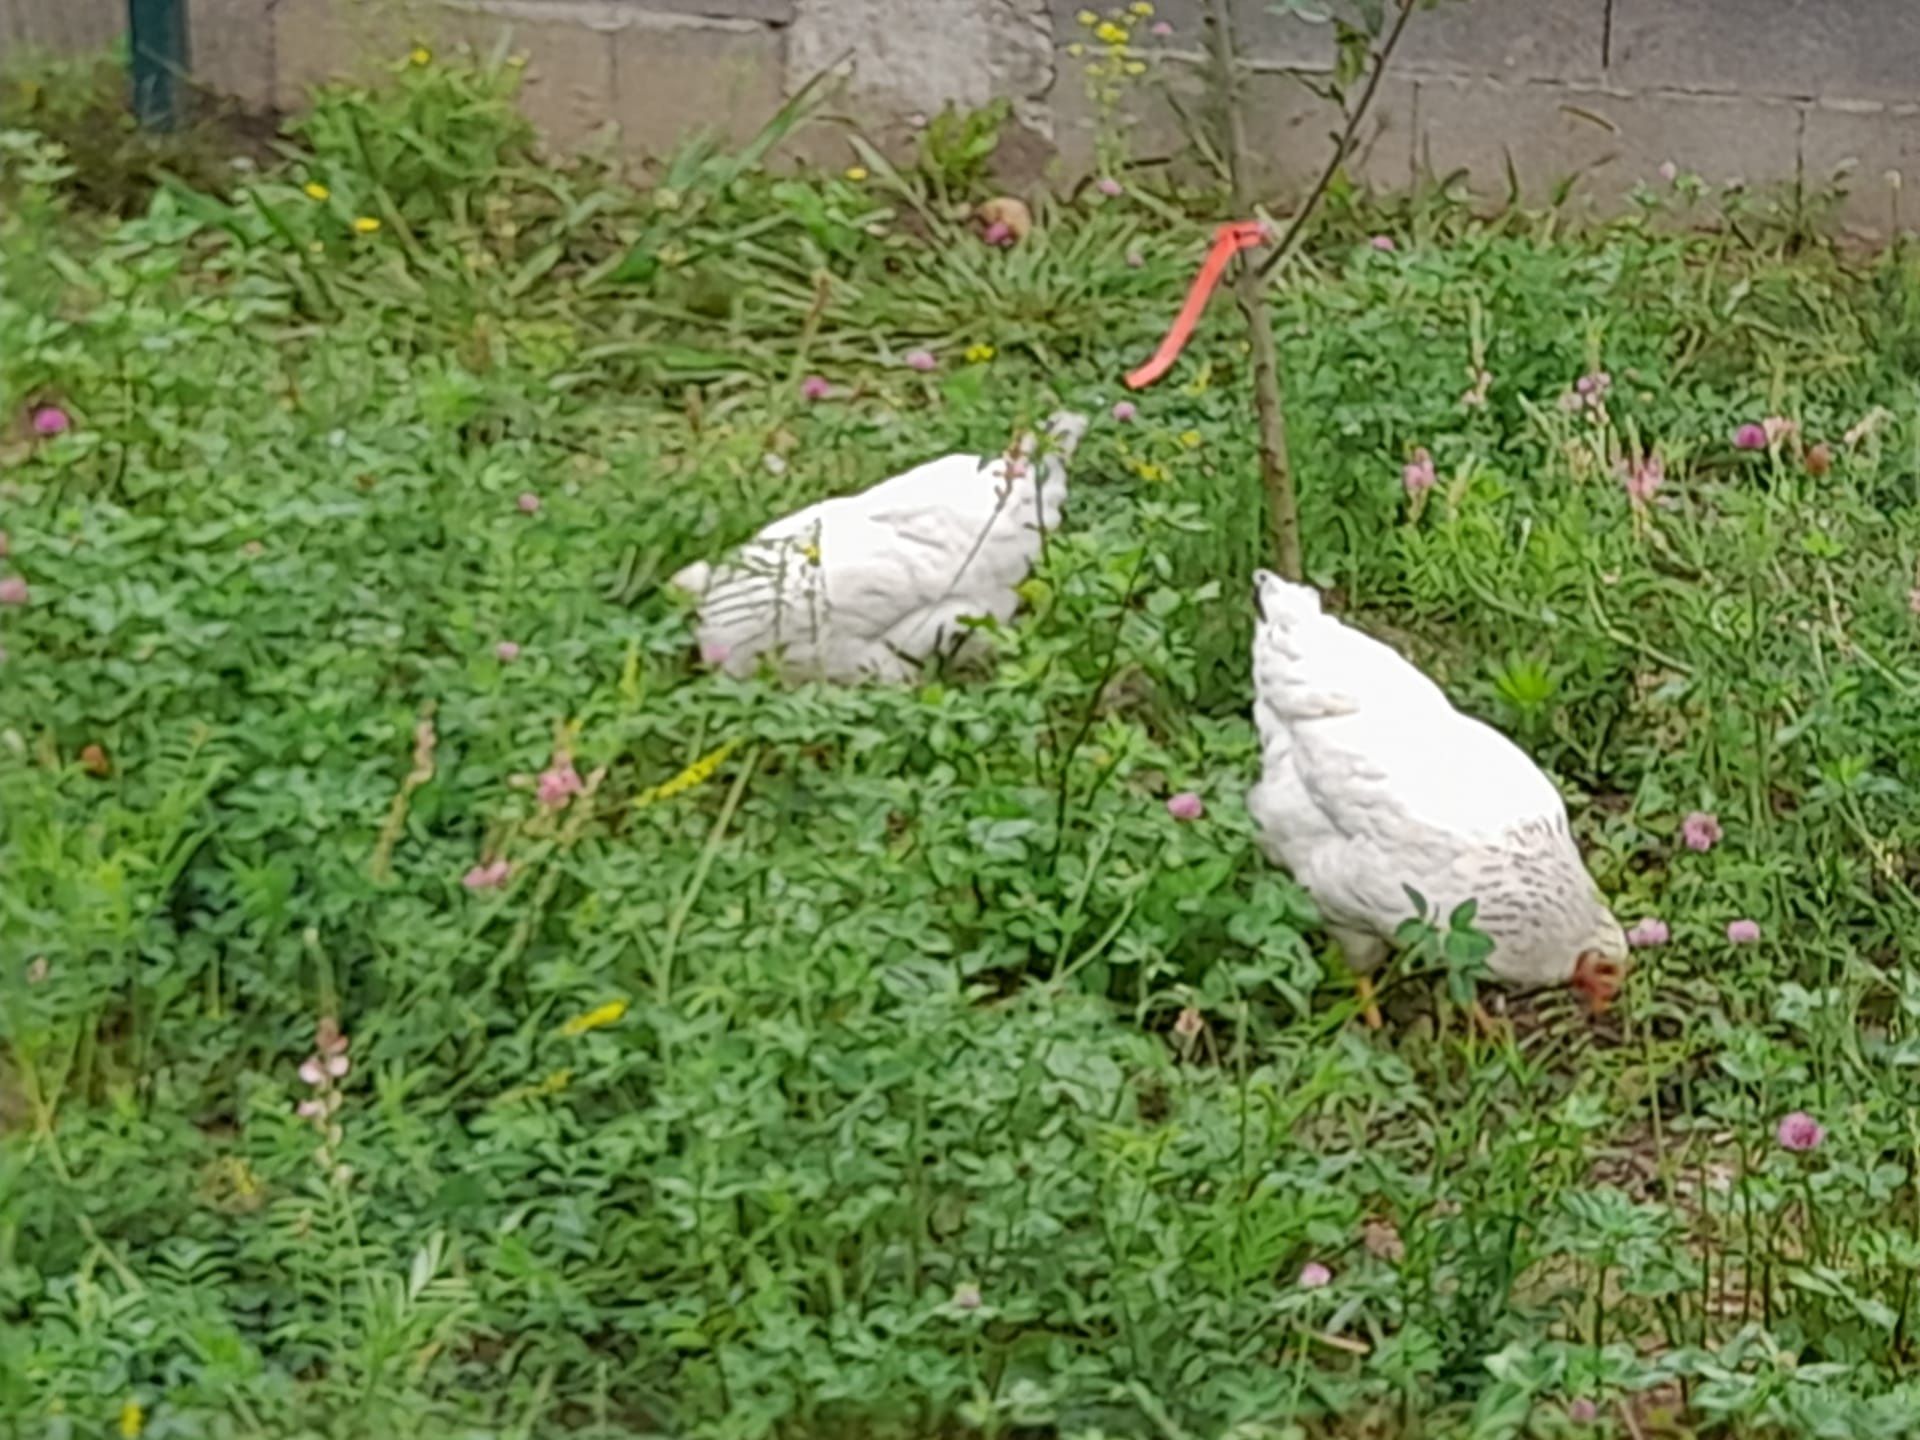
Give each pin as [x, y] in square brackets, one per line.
[1371, 782]
[869, 586]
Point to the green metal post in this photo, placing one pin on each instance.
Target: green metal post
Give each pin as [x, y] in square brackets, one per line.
[158, 30]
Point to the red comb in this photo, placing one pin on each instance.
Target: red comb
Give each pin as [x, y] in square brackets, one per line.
[1228, 241]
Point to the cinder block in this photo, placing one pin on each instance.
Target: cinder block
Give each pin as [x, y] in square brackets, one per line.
[232, 45]
[1610, 140]
[567, 88]
[318, 41]
[1290, 130]
[673, 77]
[772, 12]
[59, 27]
[1505, 39]
[1874, 151]
[1868, 49]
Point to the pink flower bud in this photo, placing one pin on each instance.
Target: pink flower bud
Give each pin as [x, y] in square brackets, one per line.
[13, 591]
[1648, 934]
[338, 1066]
[815, 387]
[921, 360]
[529, 503]
[1186, 806]
[712, 652]
[1700, 831]
[50, 420]
[1743, 932]
[506, 652]
[311, 1109]
[1315, 1276]
[1384, 244]
[1417, 476]
[559, 782]
[1750, 437]
[1124, 410]
[313, 1072]
[1108, 186]
[1800, 1131]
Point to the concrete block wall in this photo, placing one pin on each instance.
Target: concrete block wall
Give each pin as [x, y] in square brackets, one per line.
[1608, 90]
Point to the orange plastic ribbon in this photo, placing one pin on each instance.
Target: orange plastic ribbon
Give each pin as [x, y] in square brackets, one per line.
[1228, 241]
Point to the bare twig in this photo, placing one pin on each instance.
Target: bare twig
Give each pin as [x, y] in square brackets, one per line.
[1344, 147]
[1276, 471]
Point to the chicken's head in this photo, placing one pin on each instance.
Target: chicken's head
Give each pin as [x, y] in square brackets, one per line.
[1601, 966]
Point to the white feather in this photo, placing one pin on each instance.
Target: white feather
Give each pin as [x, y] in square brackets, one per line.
[868, 586]
[1371, 782]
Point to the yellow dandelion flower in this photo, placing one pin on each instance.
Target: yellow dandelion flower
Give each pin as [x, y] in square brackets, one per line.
[365, 225]
[1088, 18]
[1190, 438]
[810, 553]
[132, 1420]
[979, 354]
[597, 1018]
[1149, 471]
[556, 1082]
[1076, 50]
[1136, 67]
[1142, 8]
[1108, 33]
[420, 55]
[856, 173]
[315, 190]
[698, 773]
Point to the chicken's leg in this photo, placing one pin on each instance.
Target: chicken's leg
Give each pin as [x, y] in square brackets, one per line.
[1369, 1012]
[1363, 954]
[1488, 1027]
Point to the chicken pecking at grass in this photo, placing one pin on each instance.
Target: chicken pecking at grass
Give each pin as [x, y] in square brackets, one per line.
[1372, 783]
[871, 586]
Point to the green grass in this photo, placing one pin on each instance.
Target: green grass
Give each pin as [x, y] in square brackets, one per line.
[901, 974]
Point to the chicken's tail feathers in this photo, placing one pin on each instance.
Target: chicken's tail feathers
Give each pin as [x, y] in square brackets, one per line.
[1281, 602]
[694, 579]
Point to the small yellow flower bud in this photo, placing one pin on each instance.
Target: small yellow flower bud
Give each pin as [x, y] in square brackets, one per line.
[597, 1018]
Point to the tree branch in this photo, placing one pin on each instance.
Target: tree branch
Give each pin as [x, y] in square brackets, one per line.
[1276, 470]
[1381, 58]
